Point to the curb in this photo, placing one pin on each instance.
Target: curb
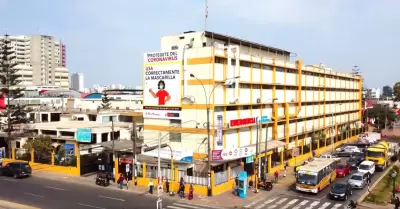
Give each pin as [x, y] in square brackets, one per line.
[361, 199]
[13, 205]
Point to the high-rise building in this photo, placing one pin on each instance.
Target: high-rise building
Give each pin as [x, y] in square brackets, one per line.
[44, 55]
[77, 82]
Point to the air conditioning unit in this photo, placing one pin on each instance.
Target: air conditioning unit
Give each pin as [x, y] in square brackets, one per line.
[117, 108]
[258, 100]
[127, 108]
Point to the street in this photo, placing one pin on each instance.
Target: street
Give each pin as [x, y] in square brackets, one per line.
[50, 194]
[288, 198]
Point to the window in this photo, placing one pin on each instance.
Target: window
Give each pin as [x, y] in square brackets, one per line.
[244, 64]
[218, 109]
[266, 67]
[245, 107]
[255, 65]
[175, 137]
[219, 60]
[278, 69]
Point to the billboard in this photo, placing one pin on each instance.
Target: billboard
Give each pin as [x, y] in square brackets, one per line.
[162, 85]
[84, 135]
[219, 140]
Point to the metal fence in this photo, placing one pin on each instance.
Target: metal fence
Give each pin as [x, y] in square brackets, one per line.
[235, 171]
[221, 177]
[152, 173]
[195, 178]
[22, 154]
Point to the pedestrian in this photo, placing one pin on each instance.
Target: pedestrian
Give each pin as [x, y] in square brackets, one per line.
[396, 203]
[167, 185]
[191, 190]
[120, 181]
[182, 191]
[181, 181]
[276, 175]
[151, 187]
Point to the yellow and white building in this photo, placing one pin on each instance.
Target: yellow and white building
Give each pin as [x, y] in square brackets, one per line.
[242, 81]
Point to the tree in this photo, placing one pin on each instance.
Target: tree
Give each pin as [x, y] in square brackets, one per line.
[105, 102]
[40, 143]
[387, 92]
[382, 114]
[15, 113]
[396, 92]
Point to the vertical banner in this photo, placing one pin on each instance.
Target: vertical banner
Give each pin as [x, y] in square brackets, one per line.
[219, 141]
[162, 85]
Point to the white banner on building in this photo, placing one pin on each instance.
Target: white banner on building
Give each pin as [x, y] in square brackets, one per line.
[219, 139]
[162, 84]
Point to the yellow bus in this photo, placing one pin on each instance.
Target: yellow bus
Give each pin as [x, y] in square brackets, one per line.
[316, 175]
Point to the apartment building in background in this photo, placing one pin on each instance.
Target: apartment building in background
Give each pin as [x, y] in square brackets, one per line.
[77, 82]
[252, 90]
[43, 57]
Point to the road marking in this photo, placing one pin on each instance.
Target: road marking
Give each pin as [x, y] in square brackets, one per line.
[55, 188]
[278, 203]
[305, 197]
[13, 180]
[290, 203]
[188, 206]
[253, 203]
[266, 202]
[35, 195]
[336, 206]
[202, 206]
[90, 206]
[313, 204]
[173, 207]
[302, 203]
[325, 205]
[112, 198]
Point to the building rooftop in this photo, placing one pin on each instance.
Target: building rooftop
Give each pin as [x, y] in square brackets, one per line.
[72, 126]
[234, 40]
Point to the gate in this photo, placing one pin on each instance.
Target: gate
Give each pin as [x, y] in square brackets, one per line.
[89, 163]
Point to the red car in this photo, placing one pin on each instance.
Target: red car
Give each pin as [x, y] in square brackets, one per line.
[342, 170]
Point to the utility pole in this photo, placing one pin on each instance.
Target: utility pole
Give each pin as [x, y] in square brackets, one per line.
[208, 151]
[257, 162]
[333, 131]
[266, 151]
[385, 116]
[113, 145]
[133, 138]
[159, 200]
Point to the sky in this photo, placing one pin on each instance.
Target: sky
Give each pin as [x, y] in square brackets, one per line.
[106, 39]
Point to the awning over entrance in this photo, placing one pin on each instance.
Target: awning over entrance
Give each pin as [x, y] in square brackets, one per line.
[272, 144]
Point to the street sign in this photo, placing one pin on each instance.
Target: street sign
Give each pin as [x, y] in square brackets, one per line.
[296, 152]
[250, 159]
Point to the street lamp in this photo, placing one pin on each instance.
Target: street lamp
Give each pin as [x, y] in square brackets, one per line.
[394, 175]
[208, 126]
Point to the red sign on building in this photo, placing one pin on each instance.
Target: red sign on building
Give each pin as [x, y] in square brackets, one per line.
[242, 122]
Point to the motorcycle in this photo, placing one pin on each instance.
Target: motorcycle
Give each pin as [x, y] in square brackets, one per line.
[351, 205]
[266, 185]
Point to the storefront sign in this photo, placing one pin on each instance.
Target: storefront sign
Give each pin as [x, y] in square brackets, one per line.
[235, 153]
[84, 135]
[216, 155]
[242, 122]
[219, 141]
[178, 154]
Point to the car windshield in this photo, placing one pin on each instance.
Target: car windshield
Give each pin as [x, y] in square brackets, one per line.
[364, 167]
[374, 154]
[356, 177]
[304, 178]
[340, 167]
[339, 186]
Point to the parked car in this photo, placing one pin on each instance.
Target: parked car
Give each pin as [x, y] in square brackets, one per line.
[358, 180]
[16, 170]
[340, 191]
[342, 170]
[326, 156]
[367, 167]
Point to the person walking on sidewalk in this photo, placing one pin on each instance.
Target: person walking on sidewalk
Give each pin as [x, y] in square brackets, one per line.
[276, 175]
[151, 187]
[286, 165]
[396, 203]
[121, 180]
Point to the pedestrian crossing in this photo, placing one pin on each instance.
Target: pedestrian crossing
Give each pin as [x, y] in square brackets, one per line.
[186, 205]
[294, 203]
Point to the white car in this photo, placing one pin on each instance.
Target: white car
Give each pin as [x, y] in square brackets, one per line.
[326, 156]
[367, 167]
[351, 149]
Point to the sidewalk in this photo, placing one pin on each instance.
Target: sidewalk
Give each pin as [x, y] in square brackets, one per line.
[11, 205]
[372, 206]
[227, 199]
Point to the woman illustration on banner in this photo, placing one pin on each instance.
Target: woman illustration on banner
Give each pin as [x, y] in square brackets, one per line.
[162, 94]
